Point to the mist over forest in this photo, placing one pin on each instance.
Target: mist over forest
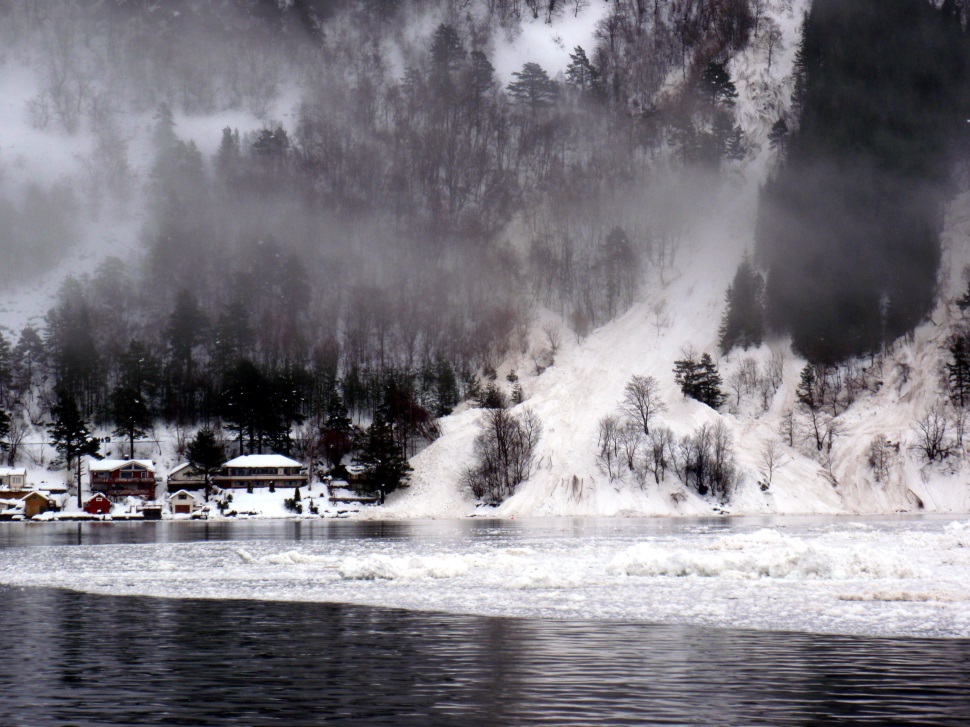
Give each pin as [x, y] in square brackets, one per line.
[386, 245]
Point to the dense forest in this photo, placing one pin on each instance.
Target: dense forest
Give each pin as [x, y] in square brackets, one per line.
[850, 227]
[364, 253]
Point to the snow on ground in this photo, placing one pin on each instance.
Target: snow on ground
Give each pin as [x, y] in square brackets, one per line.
[588, 377]
[899, 577]
[548, 44]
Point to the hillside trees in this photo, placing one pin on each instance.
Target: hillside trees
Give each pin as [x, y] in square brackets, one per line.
[743, 321]
[699, 379]
[71, 434]
[363, 244]
[504, 454]
[707, 460]
[642, 401]
[849, 229]
[382, 456]
[207, 455]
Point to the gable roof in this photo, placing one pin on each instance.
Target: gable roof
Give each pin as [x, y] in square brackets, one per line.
[262, 460]
[95, 496]
[109, 465]
[181, 494]
[7, 471]
[38, 493]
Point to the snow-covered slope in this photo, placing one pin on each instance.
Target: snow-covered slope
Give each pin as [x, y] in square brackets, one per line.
[589, 376]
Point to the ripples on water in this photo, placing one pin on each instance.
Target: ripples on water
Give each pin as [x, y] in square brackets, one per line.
[74, 658]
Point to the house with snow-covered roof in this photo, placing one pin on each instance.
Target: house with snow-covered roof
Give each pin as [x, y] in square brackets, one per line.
[184, 502]
[37, 503]
[261, 470]
[97, 504]
[185, 477]
[123, 477]
[13, 479]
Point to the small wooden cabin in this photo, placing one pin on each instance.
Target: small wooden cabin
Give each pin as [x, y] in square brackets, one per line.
[37, 503]
[97, 504]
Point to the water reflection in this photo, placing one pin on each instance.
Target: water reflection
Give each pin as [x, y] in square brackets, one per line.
[80, 658]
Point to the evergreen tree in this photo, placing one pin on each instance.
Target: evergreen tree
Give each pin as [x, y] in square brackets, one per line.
[71, 435]
[337, 432]
[699, 379]
[778, 136]
[4, 431]
[709, 385]
[958, 371]
[6, 371]
[807, 392]
[716, 84]
[207, 455]
[29, 360]
[71, 346]
[492, 397]
[130, 414]
[447, 50]
[250, 408]
[446, 389]
[473, 388]
[533, 87]
[619, 264]
[743, 322]
[385, 464]
[580, 73]
[849, 228]
[480, 76]
[736, 150]
[687, 374]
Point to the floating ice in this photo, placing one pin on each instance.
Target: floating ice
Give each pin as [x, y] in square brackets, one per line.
[893, 577]
[386, 567]
[764, 554]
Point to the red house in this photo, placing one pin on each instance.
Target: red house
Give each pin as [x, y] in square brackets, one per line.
[123, 477]
[97, 504]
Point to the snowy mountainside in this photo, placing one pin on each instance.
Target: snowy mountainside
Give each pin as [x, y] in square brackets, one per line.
[588, 378]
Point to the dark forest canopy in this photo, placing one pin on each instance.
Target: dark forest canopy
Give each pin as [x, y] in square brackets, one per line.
[383, 248]
[850, 227]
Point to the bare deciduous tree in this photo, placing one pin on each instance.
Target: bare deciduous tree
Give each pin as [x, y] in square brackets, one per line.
[609, 445]
[771, 462]
[788, 426]
[553, 337]
[882, 453]
[631, 440]
[932, 439]
[505, 454]
[661, 316]
[641, 401]
[660, 452]
[707, 460]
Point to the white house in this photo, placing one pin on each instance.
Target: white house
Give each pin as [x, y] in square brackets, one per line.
[13, 479]
[261, 470]
[184, 502]
[185, 477]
